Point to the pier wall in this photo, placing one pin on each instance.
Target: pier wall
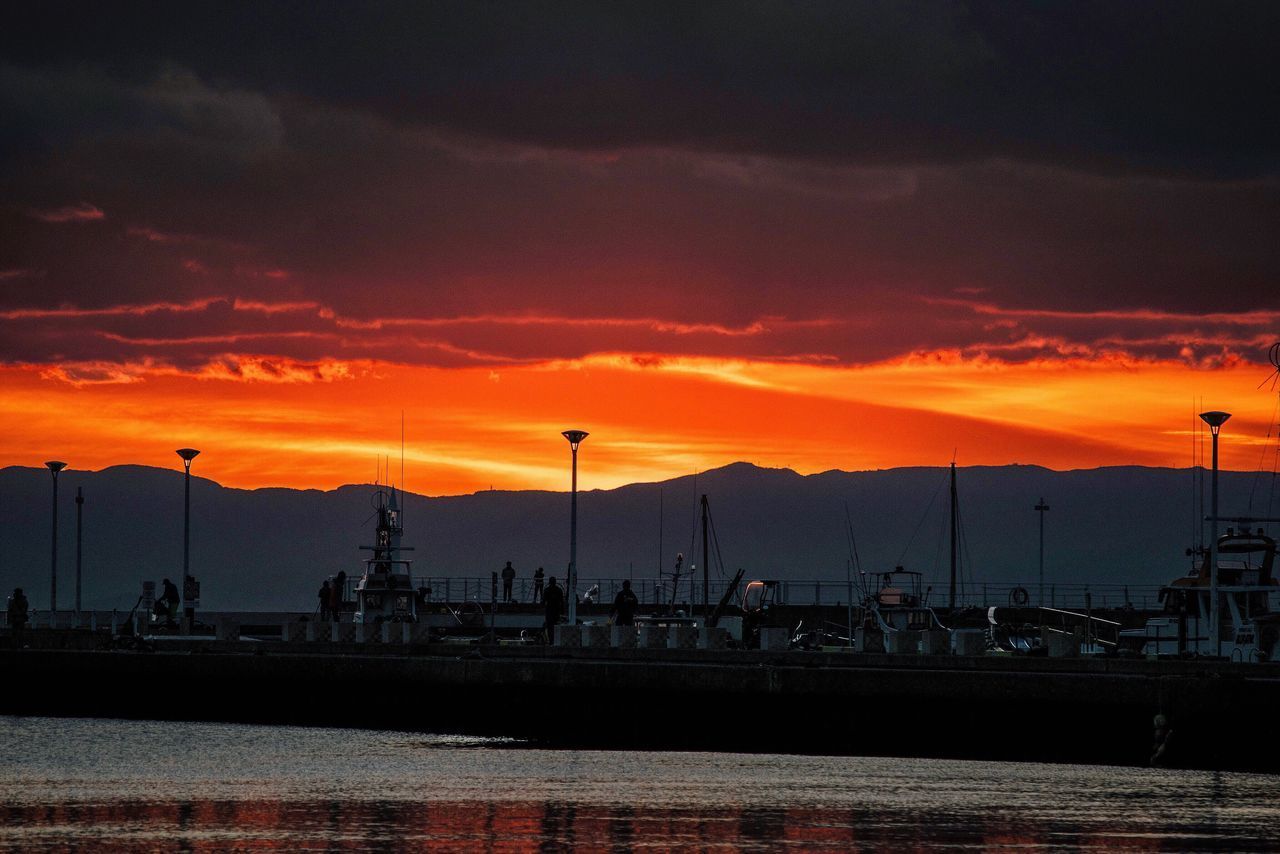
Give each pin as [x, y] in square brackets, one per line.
[1072, 710]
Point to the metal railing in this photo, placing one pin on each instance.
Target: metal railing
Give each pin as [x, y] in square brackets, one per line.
[456, 589]
[812, 592]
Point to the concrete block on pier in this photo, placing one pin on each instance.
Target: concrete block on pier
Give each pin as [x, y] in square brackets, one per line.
[360, 632]
[935, 642]
[568, 636]
[682, 637]
[228, 629]
[970, 641]
[868, 640]
[343, 632]
[1062, 645]
[905, 642]
[653, 637]
[775, 638]
[714, 637]
[387, 631]
[623, 637]
[293, 632]
[595, 637]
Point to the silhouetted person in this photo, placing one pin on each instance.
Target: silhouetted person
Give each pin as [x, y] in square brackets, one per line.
[553, 601]
[508, 576]
[169, 603]
[339, 594]
[423, 596]
[18, 613]
[537, 586]
[624, 606]
[325, 596]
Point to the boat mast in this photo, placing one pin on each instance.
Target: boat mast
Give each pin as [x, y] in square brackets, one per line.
[954, 503]
[706, 582]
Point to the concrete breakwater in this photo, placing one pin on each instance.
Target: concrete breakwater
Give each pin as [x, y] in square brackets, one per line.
[981, 707]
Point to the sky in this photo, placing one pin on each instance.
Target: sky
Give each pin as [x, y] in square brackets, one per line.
[813, 235]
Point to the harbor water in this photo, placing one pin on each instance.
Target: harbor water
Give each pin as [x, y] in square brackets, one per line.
[111, 785]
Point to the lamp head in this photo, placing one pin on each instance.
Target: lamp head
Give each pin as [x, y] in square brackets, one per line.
[55, 466]
[1215, 420]
[188, 454]
[575, 437]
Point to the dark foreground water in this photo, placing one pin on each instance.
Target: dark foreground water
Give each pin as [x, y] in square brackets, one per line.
[123, 785]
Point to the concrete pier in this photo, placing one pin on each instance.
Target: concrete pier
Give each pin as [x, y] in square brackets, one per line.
[988, 707]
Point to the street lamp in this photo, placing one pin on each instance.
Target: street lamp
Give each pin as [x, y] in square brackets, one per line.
[1215, 420]
[54, 467]
[188, 608]
[575, 438]
[1041, 508]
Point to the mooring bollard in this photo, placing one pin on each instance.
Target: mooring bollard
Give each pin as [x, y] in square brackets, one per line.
[653, 637]
[568, 636]
[775, 638]
[902, 642]
[682, 637]
[970, 641]
[713, 637]
[935, 642]
[595, 637]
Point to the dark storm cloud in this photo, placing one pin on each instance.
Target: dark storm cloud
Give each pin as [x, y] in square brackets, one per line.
[457, 184]
[1166, 87]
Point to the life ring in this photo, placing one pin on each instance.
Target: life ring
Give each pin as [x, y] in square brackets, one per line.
[1018, 596]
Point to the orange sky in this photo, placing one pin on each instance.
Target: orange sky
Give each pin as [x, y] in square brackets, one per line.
[649, 418]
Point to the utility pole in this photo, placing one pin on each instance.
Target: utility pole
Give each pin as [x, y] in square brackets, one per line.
[1042, 508]
[1215, 420]
[575, 438]
[79, 514]
[954, 535]
[54, 467]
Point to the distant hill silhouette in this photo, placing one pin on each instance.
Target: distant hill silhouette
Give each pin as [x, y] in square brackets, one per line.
[270, 548]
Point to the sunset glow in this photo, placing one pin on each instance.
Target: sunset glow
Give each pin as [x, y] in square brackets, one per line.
[650, 418]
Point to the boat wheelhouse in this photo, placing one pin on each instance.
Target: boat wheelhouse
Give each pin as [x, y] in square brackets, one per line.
[384, 592]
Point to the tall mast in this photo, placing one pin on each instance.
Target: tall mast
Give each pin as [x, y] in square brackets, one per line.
[954, 507]
[706, 582]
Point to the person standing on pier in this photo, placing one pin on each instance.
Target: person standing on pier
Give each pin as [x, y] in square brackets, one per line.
[624, 606]
[326, 596]
[18, 616]
[339, 594]
[553, 600]
[537, 585]
[508, 576]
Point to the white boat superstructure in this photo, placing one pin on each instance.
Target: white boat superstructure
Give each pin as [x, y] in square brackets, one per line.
[384, 592]
[1248, 605]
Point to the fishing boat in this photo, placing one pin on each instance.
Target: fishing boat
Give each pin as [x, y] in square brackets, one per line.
[384, 591]
[1248, 604]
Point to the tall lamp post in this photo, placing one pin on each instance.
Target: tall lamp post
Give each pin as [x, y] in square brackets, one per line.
[54, 467]
[188, 607]
[1042, 508]
[1215, 420]
[575, 438]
